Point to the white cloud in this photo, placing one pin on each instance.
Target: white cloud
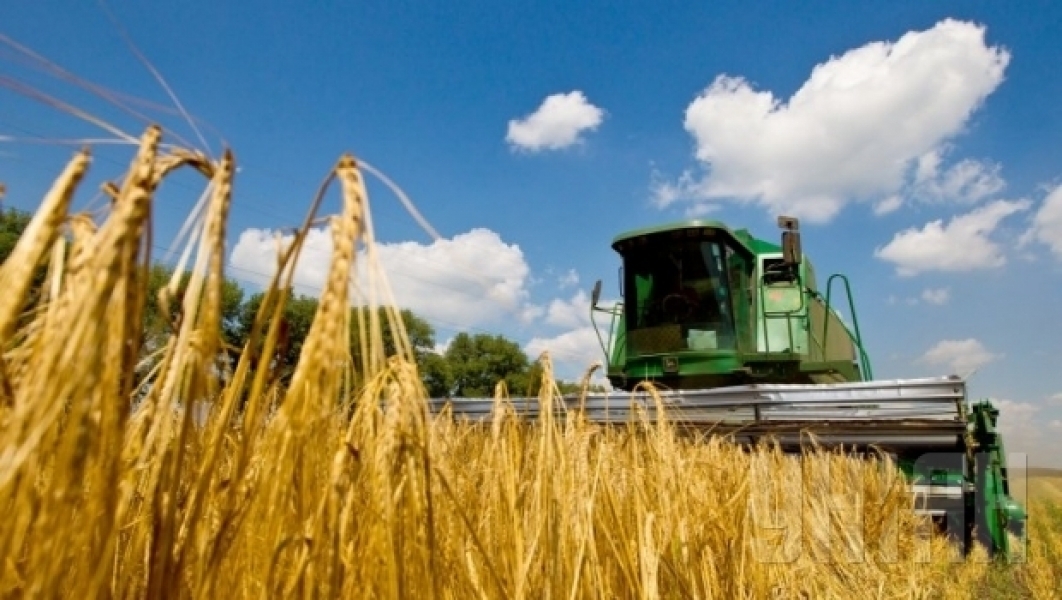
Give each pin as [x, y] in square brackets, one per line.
[1025, 429]
[1016, 413]
[665, 193]
[569, 279]
[888, 205]
[1047, 224]
[961, 245]
[472, 280]
[557, 123]
[850, 133]
[572, 352]
[937, 296]
[701, 209]
[962, 357]
[1056, 398]
[569, 313]
[576, 349]
[968, 181]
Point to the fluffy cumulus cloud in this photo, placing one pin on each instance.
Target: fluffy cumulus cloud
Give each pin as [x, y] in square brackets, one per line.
[862, 127]
[1047, 224]
[557, 123]
[963, 244]
[570, 313]
[960, 357]
[572, 352]
[473, 280]
[577, 346]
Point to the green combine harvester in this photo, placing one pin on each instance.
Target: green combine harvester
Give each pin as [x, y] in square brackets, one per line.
[736, 333]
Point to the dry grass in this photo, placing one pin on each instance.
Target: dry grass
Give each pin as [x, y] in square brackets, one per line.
[341, 485]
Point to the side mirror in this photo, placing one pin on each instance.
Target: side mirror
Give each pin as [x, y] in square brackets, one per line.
[791, 251]
[595, 295]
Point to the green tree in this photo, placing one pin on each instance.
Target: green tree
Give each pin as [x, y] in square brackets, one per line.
[478, 362]
[420, 333]
[293, 328]
[434, 370]
[299, 311]
[436, 374]
[12, 223]
[158, 325]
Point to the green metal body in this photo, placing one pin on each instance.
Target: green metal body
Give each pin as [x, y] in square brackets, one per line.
[705, 306]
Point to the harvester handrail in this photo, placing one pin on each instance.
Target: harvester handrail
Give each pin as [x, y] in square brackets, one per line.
[613, 311]
[857, 338]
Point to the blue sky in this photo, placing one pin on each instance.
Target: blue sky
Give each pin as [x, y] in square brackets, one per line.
[917, 142]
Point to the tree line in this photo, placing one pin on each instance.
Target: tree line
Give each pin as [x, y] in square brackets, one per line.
[470, 366]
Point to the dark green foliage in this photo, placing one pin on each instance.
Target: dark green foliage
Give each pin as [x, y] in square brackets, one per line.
[437, 375]
[421, 333]
[157, 325]
[299, 311]
[478, 362]
[294, 326]
[12, 223]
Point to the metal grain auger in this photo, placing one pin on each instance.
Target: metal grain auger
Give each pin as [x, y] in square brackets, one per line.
[736, 331]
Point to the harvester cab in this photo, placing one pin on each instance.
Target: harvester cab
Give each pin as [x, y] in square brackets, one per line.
[705, 307]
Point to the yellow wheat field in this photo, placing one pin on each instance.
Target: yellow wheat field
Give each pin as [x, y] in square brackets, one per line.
[341, 485]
